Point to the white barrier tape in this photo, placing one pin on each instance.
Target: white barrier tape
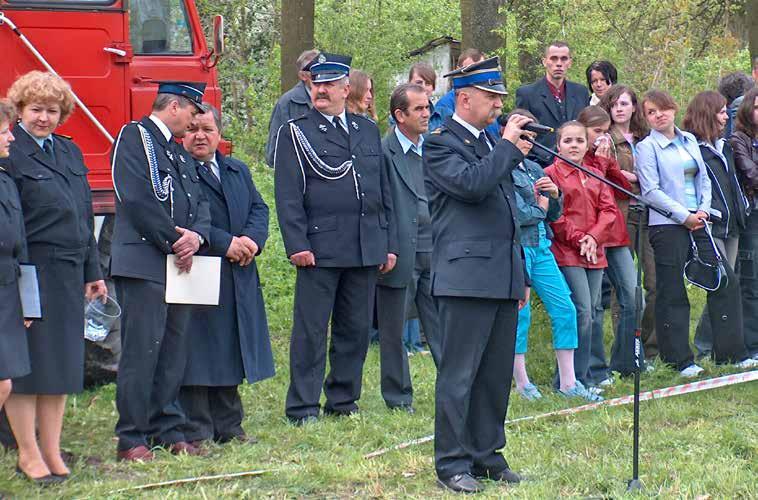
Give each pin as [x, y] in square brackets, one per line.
[702, 385]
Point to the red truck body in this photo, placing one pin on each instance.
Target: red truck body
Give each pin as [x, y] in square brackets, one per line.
[111, 52]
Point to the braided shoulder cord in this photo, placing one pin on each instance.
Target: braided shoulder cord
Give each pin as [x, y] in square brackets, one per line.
[162, 190]
[321, 168]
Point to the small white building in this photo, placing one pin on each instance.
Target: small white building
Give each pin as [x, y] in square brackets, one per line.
[442, 53]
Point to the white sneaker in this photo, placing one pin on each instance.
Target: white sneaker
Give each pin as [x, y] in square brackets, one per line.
[691, 371]
[606, 382]
[747, 363]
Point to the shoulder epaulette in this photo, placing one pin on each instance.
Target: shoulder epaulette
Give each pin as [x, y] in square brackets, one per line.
[438, 130]
[63, 136]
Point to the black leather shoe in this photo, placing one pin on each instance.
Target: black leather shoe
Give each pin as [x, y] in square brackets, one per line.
[340, 413]
[301, 421]
[506, 475]
[461, 483]
[43, 481]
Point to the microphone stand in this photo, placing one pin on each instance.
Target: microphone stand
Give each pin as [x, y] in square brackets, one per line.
[633, 484]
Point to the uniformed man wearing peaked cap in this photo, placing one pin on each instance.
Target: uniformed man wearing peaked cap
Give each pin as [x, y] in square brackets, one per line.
[333, 205]
[477, 277]
[160, 210]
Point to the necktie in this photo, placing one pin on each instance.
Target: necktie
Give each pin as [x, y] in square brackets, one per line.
[207, 165]
[338, 125]
[47, 146]
[483, 139]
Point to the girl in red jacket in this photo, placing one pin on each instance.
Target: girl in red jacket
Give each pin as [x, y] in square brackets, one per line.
[589, 213]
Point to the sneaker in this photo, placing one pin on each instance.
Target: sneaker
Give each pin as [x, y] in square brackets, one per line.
[530, 392]
[747, 363]
[691, 371]
[649, 367]
[606, 382]
[594, 389]
[579, 391]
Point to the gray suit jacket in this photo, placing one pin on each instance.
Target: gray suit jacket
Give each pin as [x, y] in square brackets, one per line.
[404, 213]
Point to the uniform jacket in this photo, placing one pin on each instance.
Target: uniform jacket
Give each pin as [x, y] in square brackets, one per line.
[746, 161]
[292, 104]
[56, 202]
[530, 214]
[609, 168]
[662, 179]
[12, 234]
[404, 221]
[144, 230]
[536, 97]
[588, 208]
[344, 222]
[230, 342]
[477, 252]
[729, 206]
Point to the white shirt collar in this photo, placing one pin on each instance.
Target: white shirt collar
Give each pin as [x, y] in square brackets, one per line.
[343, 119]
[474, 131]
[407, 144]
[162, 127]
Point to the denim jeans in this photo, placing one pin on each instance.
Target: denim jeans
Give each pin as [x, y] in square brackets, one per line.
[585, 287]
[412, 336]
[552, 289]
[621, 272]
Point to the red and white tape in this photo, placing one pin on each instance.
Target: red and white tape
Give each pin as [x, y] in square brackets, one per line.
[666, 392]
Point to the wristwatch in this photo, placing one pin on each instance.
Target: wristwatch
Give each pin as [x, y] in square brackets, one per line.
[200, 239]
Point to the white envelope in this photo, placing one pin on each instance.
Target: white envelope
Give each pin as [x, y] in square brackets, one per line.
[198, 287]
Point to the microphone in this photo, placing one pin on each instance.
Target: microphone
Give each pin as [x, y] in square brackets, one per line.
[530, 127]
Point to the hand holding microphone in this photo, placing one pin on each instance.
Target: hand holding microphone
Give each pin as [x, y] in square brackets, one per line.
[523, 124]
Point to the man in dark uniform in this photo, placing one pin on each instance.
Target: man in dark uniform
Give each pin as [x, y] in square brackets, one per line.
[409, 106]
[334, 210]
[478, 277]
[292, 104]
[228, 342]
[160, 210]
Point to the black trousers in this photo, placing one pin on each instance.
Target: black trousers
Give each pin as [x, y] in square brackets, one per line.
[473, 384]
[150, 373]
[212, 413]
[671, 246]
[397, 389]
[420, 293]
[347, 296]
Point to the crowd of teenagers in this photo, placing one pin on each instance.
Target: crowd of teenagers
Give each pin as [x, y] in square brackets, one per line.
[380, 269]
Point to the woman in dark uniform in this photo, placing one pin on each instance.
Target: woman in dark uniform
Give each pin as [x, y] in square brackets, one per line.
[51, 178]
[14, 355]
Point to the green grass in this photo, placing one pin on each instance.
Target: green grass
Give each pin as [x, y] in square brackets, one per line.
[693, 445]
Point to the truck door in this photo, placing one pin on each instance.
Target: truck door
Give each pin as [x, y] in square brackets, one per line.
[168, 44]
[84, 41]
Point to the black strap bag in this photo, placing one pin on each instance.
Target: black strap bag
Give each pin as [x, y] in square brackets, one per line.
[708, 276]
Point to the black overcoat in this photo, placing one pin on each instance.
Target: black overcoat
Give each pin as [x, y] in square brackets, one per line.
[57, 207]
[231, 341]
[344, 222]
[477, 252]
[14, 351]
[144, 229]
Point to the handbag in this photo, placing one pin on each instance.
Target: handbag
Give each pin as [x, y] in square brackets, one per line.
[709, 277]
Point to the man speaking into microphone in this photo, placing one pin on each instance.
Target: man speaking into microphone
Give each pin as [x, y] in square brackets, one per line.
[478, 277]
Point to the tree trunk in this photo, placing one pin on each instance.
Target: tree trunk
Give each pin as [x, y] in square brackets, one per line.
[297, 36]
[752, 27]
[479, 20]
[530, 20]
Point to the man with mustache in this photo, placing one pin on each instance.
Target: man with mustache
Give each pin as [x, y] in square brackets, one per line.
[478, 277]
[230, 342]
[553, 100]
[409, 106]
[334, 212]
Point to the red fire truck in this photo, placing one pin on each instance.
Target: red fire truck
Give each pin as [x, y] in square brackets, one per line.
[111, 52]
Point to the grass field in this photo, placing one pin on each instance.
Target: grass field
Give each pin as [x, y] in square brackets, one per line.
[698, 445]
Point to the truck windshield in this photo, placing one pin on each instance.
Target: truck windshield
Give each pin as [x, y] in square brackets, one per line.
[159, 27]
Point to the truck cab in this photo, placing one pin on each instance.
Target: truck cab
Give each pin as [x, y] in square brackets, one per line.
[112, 52]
